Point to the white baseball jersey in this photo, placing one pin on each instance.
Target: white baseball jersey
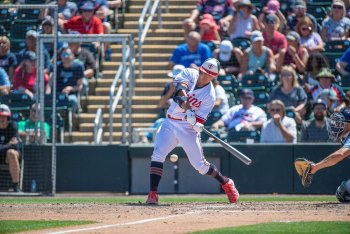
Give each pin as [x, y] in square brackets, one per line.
[176, 130]
[201, 99]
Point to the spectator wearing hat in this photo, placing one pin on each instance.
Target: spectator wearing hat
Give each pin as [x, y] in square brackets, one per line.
[272, 7]
[243, 23]
[343, 64]
[229, 58]
[299, 12]
[31, 37]
[295, 55]
[315, 130]
[65, 9]
[87, 22]
[5, 83]
[326, 80]
[337, 26]
[47, 28]
[209, 30]
[70, 76]
[314, 64]
[192, 53]
[330, 98]
[9, 152]
[24, 80]
[309, 38]
[273, 39]
[244, 116]
[257, 58]
[279, 128]
[222, 11]
[8, 60]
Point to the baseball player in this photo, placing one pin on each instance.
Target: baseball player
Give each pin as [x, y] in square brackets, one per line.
[338, 126]
[194, 97]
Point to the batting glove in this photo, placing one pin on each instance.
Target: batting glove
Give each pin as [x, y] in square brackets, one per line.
[198, 127]
[191, 117]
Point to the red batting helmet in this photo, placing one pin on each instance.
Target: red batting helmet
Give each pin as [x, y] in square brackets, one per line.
[211, 66]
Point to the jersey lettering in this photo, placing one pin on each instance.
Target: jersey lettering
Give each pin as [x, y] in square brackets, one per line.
[194, 101]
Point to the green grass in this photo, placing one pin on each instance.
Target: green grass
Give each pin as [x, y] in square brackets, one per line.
[13, 226]
[287, 227]
[164, 199]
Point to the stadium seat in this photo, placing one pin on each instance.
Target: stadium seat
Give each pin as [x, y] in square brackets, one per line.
[19, 30]
[241, 43]
[242, 136]
[63, 106]
[231, 99]
[334, 50]
[212, 118]
[205, 137]
[227, 82]
[345, 83]
[255, 82]
[261, 99]
[319, 12]
[17, 45]
[318, 3]
[212, 46]
[35, 1]
[28, 16]
[5, 18]
[17, 116]
[17, 101]
[59, 125]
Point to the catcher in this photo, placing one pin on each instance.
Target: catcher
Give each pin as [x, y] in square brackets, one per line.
[338, 126]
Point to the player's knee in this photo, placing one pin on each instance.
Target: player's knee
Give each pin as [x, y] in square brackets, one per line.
[202, 168]
[341, 194]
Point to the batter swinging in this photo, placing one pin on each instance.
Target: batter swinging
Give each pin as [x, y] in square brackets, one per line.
[194, 97]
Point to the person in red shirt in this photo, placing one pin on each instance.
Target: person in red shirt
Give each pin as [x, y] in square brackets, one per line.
[87, 22]
[273, 39]
[25, 75]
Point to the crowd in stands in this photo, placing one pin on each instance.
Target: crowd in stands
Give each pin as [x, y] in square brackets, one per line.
[77, 63]
[285, 65]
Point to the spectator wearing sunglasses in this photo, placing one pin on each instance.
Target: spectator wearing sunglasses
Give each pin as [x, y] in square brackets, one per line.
[244, 116]
[309, 39]
[299, 12]
[279, 128]
[337, 26]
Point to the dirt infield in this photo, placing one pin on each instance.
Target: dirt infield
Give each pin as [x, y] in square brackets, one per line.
[173, 217]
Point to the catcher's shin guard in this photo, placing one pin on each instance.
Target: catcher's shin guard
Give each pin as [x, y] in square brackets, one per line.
[231, 191]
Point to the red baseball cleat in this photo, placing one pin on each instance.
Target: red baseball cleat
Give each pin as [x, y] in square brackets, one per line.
[231, 191]
[152, 198]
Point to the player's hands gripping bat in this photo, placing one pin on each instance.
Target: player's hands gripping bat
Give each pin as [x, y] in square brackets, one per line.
[198, 127]
[191, 117]
[303, 168]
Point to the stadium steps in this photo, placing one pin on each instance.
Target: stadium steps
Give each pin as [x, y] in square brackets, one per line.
[157, 49]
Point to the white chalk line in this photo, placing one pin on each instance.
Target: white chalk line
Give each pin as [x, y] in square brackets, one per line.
[123, 224]
[142, 221]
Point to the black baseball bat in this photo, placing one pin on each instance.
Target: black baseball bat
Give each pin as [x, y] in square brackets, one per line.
[229, 148]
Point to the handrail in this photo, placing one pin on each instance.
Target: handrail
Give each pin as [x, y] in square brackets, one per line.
[142, 31]
[98, 130]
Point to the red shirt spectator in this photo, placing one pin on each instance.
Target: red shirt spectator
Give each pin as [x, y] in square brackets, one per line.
[86, 23]
[25, 75]
[276, 42]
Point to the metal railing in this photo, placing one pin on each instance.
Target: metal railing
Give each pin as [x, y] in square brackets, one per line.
[143, 29]
[98, 128]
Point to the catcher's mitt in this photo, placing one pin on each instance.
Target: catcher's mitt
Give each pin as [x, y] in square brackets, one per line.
[303, 167]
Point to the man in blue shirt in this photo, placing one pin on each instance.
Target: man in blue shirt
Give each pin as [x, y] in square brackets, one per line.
[192, 53]
[4, 82]
[343, 65]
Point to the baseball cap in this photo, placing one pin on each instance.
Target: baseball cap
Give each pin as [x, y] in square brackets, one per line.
[88, 5]
[5, 110]
[30, 55]
[325, 72]
[300, 4]
[293, 36]
[207, 21]
[270, 19]
[327, 93]
[273, 6]
[247, 93]
[32, 33]
[338, 3]
[225, 50]
[176, 70]
[47, 20]
[319, 101]
[246, 3]
[256, 36]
